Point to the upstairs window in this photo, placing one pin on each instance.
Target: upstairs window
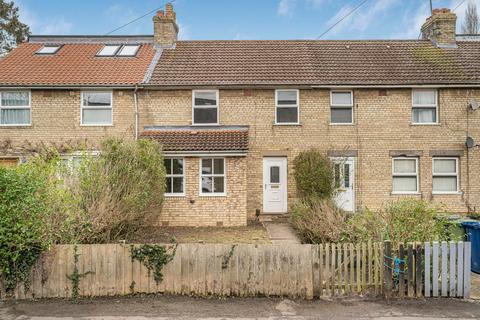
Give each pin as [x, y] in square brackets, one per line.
[424, 106]
[286, 105]
[15, 108]
[445, 175]
[405, 175]
[96, 108]
[341, 107]
[48, 49]
[205, 107]
[108, 51]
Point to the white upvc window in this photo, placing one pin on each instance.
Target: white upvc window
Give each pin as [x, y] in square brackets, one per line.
[405, 175]
[445, 175]
[424, 106]
[175, 176]
[213, 180]
[96, 108]
[205, 107]
[49, 49]
[287, 106]
[15, 108]
[74, 160]
[341, 107]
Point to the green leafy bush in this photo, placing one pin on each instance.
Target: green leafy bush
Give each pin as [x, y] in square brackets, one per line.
[318, 221]
[314, 175]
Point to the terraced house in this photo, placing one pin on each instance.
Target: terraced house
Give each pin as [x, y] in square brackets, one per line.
[394, 115]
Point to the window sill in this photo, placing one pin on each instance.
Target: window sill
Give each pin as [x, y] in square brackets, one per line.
[425, 124]
[405, 193]
[10, 126]
[287, 124]
[454, 193]
[208, 195]
[341, 124]
[96, 125]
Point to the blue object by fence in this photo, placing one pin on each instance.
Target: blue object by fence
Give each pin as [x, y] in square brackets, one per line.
[472, 229]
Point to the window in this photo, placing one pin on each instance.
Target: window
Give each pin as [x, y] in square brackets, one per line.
[274, 174]
[205, 107]
[341, 175]
[15, 108]
[405, 175]
[212, 176]
[445, 175]
[341, 107]
[286, 105]
[48, 50]
[108, 50]
[175, 177]
[424, 106]
[128, 50]
[96, 108]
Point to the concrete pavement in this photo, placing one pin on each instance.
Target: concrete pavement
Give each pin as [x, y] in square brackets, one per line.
[179, 307]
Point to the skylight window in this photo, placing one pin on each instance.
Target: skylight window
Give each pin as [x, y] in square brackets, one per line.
[108, 51]
[128, 50]
[48, 50]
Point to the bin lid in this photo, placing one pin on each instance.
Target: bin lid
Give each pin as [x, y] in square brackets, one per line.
[471, 224]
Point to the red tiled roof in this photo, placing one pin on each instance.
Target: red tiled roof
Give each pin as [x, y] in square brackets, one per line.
[308, 62]
[200, 139]
[73, 64]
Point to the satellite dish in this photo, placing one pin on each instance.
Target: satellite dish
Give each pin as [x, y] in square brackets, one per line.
[473, 104]
[470, 143]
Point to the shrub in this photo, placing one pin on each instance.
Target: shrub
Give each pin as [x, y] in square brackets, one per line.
[121, 189]
[318, 221]
[314, 175]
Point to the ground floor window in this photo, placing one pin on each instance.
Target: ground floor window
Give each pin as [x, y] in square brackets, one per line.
[212, 176]
[175, 179]
[405, 175]
[445, 175]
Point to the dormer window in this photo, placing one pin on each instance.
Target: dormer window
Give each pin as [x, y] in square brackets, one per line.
[48, 50]
[108, 51]
[117, 50]
[128, 51]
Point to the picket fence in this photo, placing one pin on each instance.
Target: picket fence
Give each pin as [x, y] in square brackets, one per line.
[296, 271]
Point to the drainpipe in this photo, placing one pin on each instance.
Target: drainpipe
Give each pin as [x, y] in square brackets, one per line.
[135, 102]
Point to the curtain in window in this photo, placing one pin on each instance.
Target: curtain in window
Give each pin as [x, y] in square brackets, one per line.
[15, 116]
[426, 97]
[14, 99]
[445, 184]
[424, 115]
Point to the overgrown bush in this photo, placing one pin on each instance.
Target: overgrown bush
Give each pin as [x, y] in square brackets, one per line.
[318, 221]
[121, 189]
[314, 175]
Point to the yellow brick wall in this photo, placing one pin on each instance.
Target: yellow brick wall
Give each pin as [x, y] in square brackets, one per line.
[382, 124]
[56, 118]
[197, 210]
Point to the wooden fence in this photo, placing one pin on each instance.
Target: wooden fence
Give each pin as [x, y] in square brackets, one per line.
[303, 271]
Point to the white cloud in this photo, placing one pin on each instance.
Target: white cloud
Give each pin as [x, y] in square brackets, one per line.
[285, 7]
[412, 21]
[183, 31]
[55, 25]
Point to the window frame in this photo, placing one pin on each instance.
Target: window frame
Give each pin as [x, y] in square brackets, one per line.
[425, 106]
[224, 175]
[175, 175]
[29, 107]
[59, 46]
[217, 106]
[109, 45]
[456, 175]
[297, 106]
[128, 55]
[417, 175]
[82, 107]
[342, 106]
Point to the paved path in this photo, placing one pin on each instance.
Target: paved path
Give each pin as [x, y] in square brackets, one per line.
[281, 232]
[180, 307]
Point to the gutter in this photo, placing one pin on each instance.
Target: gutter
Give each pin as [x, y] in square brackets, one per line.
[68, 87]
[206, 153]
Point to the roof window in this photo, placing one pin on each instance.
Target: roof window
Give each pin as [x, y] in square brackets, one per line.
[108, 51]
[128, 50]
[48, 49]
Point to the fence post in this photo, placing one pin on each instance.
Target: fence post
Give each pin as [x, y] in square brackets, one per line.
[388, 267]
[401, 273]
[418, 266]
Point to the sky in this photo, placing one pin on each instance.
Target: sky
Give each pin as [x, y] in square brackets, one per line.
[239, 19]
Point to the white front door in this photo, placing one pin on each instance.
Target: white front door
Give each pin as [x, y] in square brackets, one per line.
[274, 185]
[344, 173]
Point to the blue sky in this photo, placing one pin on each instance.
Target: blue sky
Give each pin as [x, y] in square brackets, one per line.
[238, 19]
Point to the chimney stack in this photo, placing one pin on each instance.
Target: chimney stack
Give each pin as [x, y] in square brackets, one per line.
[440, 28]
[165, 28]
